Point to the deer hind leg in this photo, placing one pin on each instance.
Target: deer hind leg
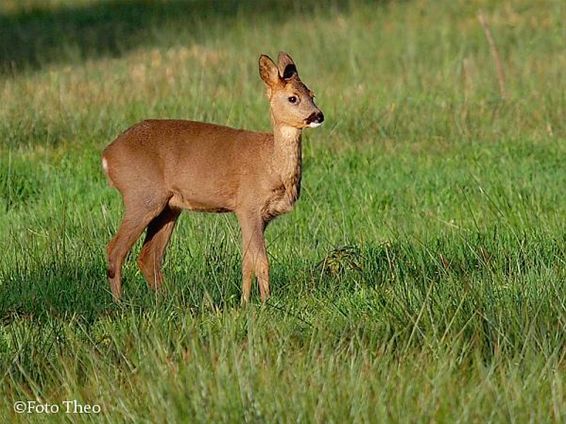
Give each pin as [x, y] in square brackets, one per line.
[262, 273]
[254, 257]
[137, 215]
[157, 237]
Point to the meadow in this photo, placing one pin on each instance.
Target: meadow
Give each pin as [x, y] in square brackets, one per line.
[420, 278]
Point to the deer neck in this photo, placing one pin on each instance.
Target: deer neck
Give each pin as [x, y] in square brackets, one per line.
[287, 156]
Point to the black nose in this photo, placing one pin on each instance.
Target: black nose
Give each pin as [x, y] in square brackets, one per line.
[315, 118]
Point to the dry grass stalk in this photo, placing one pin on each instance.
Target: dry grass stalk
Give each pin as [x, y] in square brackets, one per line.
[494, 53]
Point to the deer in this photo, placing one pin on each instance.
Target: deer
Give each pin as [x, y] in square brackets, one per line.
[163, 166]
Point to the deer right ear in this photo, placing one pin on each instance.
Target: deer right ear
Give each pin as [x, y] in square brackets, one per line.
[268, 71]
[287, 67]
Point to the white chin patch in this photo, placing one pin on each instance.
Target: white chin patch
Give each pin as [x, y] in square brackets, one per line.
[315, 124]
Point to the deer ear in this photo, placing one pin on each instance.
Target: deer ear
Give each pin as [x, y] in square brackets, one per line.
[287, 68]
[268, 71]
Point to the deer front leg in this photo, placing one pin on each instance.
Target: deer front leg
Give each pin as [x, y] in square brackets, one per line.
[254, 256]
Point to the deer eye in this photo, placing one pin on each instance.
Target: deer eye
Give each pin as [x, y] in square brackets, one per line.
[292, 99]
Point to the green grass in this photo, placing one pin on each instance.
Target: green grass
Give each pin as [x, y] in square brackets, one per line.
[421, 277]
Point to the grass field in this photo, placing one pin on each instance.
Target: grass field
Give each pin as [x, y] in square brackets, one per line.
[420, 278]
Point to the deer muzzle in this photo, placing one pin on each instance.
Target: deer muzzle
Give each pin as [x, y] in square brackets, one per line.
[315, 119]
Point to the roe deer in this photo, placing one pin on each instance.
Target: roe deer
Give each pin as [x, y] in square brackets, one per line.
[163, 166]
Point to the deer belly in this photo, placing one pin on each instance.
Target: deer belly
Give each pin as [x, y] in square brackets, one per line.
[199, 204]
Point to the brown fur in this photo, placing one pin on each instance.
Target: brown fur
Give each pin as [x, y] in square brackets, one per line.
[163, 166]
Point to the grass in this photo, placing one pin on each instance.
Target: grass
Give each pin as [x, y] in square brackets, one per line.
[421, 277]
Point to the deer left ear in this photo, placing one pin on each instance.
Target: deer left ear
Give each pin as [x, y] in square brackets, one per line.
[268, 71]
[287, 68]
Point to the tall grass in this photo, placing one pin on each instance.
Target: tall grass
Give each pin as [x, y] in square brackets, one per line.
[421, 276]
